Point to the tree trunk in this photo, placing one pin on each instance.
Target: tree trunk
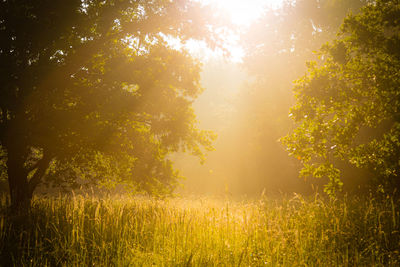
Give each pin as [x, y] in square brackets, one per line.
[21, 189]
[18, 181]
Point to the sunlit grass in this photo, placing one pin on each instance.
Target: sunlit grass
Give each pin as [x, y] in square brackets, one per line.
[81, 231]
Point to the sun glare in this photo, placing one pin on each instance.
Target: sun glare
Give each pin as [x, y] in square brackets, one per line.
[241, 13]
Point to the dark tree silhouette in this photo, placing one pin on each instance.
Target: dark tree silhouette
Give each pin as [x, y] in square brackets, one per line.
[86, 81]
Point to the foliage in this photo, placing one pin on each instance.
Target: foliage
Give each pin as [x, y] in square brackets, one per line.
[288, 36]
[84, 80]
[277, 47]
[348, 108]
[294, 231]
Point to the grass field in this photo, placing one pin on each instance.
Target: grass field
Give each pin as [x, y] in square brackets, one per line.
[79, 231]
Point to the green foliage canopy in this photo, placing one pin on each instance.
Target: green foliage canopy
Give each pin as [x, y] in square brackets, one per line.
[97, 81]
[348, 108]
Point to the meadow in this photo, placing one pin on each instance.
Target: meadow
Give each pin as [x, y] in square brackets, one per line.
[129, 231]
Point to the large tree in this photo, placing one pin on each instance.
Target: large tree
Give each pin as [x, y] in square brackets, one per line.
[348, 107]
[89, 81]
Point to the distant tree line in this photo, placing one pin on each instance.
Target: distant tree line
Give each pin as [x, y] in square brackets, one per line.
[277, 48]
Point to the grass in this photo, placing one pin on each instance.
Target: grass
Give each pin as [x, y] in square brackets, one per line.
[79, 231]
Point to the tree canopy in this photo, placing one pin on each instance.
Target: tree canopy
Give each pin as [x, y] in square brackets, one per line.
[95, 85]
[347, 107]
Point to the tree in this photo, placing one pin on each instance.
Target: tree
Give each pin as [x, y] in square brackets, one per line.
[90, 83]
[348, 107]
[277, 47]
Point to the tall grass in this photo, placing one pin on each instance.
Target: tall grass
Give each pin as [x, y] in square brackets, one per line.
[81, 231]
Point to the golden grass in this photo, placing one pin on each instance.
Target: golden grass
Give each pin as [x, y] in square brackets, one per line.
[78, 231]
